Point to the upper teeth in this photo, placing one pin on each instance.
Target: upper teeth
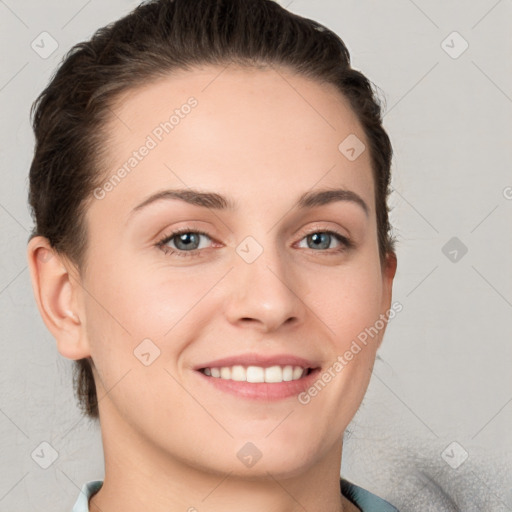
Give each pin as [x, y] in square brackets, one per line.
[257, 373]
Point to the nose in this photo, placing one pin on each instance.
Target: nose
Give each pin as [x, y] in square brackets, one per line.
[265, 293]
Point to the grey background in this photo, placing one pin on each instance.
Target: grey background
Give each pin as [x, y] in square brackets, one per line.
[444, 373]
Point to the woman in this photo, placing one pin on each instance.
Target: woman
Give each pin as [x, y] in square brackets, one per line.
[212, 248]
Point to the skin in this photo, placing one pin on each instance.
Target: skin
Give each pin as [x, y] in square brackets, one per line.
[170, 439]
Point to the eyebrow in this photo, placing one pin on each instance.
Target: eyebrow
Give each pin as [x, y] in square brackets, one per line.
[219, 202]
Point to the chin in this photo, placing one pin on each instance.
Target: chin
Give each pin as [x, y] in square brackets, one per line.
[279, 463]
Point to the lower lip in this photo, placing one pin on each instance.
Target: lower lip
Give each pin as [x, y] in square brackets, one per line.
[265, 391]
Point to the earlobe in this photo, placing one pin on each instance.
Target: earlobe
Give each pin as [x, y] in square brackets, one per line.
[57, 293]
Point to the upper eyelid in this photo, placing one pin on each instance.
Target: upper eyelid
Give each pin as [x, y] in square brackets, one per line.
[181, 231]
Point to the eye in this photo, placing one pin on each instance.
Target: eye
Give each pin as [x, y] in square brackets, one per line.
[323, 239]
[186, 242]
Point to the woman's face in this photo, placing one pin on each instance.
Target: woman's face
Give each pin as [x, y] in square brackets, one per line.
[269, 279]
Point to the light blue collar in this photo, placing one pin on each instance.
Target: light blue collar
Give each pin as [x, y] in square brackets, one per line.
[365, 500]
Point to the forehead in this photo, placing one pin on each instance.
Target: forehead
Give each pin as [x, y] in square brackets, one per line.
[249, 133]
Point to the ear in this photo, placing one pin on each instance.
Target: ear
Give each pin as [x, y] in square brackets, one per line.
[388, 274]
[58, 293]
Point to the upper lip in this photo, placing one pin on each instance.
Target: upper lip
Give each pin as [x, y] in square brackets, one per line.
[264, 361]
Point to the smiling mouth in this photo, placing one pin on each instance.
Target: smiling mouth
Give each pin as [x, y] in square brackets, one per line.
[258, 374]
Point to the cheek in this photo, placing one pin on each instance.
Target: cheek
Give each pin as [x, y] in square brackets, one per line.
[347, 300]
[144, 301]
[348, 303]
[124, 309]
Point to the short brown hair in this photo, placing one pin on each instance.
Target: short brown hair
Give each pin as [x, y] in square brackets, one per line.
[156, 38]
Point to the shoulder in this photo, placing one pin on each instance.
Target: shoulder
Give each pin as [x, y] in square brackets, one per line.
[88, 489]
[364, 499]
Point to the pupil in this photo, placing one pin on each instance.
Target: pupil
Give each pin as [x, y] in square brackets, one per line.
[185, 239]
[316, 238]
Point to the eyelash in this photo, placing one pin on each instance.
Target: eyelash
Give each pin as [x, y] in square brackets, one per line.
[346, 243]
